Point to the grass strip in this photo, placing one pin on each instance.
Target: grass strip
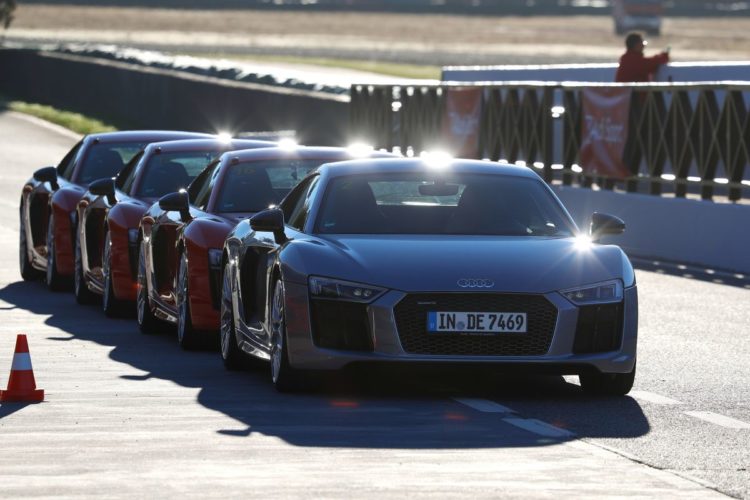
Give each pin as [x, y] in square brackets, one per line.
[400, 70]
[73, 121]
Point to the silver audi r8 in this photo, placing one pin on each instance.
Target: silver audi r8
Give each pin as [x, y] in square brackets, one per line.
[421, 261]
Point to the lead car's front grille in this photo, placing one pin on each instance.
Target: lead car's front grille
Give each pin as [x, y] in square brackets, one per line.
[411, 321]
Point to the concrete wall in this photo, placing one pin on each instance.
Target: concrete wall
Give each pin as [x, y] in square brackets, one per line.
[133, 96]
[704, 233]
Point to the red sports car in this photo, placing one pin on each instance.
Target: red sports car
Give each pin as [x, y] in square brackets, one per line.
[49, 199]
[110, 212]
[182, 236]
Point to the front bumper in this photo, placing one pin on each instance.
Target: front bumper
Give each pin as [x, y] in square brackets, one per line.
[387, 346]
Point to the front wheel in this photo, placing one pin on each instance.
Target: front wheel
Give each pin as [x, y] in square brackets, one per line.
[231, 354]
[28, 273]
[147, 322]
[187, 336]
[284, 377]
[607, 384]
[55, 281]
[80, 290]
[112, 306]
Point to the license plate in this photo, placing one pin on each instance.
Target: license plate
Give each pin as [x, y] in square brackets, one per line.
[476, 322]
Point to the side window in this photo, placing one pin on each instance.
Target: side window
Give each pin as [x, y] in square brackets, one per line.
[298, 217]
[204, 193]
[65, 168]
[201, 181]
[289, 203]
[127, 175]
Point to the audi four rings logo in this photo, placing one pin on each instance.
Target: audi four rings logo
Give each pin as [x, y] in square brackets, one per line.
[475, 283]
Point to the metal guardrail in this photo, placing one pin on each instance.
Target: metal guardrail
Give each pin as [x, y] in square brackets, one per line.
[683, 139]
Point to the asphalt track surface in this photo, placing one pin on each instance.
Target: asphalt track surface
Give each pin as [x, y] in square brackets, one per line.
[126, 414]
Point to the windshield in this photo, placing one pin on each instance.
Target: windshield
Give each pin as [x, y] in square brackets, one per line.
[169, 172]
[253, 186]
[106, 160]
[420, 203]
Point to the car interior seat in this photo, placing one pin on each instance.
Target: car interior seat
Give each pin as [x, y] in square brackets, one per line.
[484, 209]
[106, 163]
[351, 207]
[250, 192]
[165, 178]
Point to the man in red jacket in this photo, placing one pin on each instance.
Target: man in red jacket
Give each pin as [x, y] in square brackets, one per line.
[634, 66]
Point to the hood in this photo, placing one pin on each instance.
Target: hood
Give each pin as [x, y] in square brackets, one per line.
[438, 263]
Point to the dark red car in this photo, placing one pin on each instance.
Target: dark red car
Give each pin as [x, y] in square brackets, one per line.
[110, 212]
[49, 199]
[182, 236]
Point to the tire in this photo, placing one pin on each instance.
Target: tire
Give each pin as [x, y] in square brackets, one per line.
[187, 336]
[28, 273]
[231, 354]
[55, 281]
[284, 377]
[607, 384]
[80, 290]
[147, 322]
[111, 306]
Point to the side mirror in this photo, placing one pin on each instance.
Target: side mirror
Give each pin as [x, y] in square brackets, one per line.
[270, 221]
[176, 202]
[104, 187]
[47, 174]
[604, 224]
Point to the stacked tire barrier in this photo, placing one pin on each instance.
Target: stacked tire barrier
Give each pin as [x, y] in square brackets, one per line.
[132, 96]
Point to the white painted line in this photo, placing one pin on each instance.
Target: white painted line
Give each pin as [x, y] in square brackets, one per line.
[539, 427]
[484, 405]
[652, 397]
[717, 419]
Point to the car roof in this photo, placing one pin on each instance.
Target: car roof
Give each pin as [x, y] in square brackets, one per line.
[394, 165]
[145, 136]
[201, 144]
[302, 153]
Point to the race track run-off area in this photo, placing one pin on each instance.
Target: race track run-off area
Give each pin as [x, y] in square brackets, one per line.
[127, 414]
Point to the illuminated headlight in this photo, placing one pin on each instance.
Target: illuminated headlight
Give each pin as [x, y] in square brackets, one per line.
[599, 293]
[327, 288]
[132, 236]
[214, 258]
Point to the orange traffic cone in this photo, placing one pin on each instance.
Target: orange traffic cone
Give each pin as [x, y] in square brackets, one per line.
[21, 385]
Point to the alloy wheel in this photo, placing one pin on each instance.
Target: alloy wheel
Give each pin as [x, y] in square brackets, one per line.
[227, 319]
[146, 319]
[182, 297]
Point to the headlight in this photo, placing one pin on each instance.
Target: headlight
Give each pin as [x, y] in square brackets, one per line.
[599, 293]
[132, 236]
[327, 288]
[214, 258]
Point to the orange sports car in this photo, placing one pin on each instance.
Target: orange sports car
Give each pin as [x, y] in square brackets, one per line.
[110, 212]
[182, 236]
[49, 199]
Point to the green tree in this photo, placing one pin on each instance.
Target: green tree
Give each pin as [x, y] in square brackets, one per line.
[6, 12]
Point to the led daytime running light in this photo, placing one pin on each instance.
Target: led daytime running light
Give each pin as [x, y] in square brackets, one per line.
[599, 293]
[327, 288]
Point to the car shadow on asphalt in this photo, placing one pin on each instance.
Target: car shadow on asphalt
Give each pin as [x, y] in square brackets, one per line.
[688, 271]
[407, 409]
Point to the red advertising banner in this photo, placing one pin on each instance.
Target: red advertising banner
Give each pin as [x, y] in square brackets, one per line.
[463, 112]
[604, 132]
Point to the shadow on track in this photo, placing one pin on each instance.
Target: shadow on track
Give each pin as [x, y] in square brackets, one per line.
[404, 410]
[720, 277]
